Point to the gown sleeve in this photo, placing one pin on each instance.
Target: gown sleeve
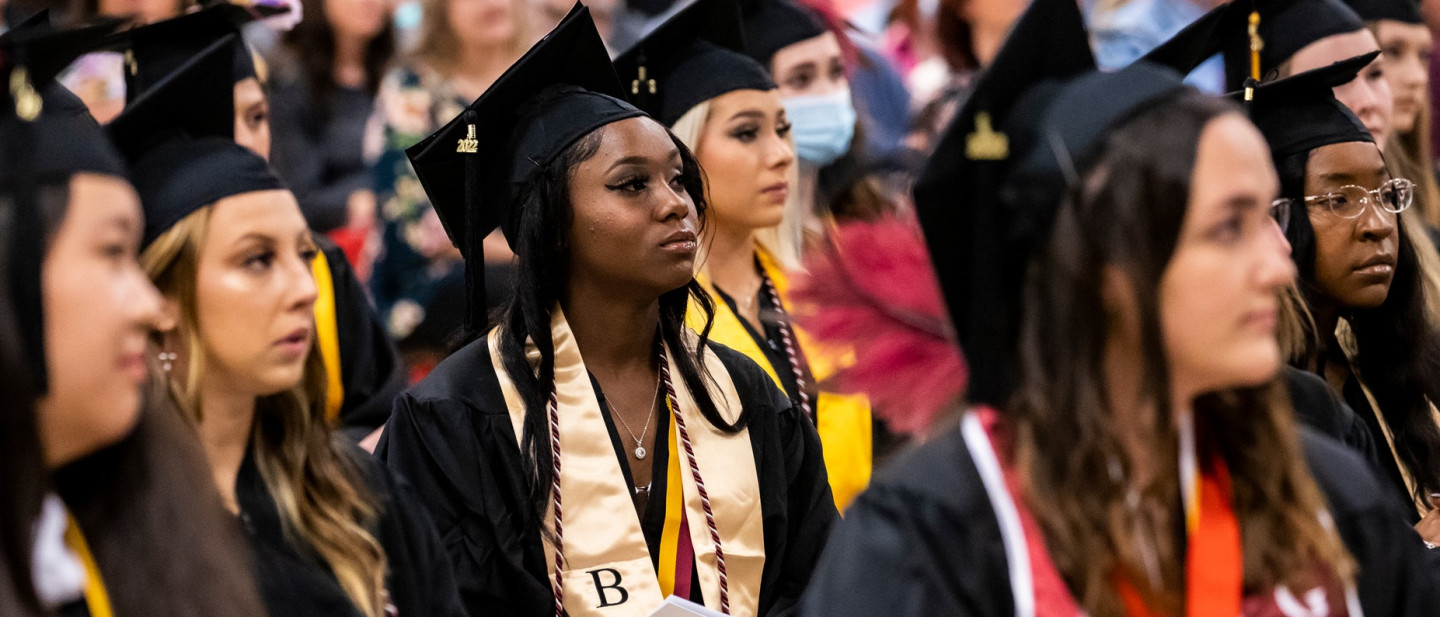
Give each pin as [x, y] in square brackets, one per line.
[810, 506]
[422, 579]
[455, 448]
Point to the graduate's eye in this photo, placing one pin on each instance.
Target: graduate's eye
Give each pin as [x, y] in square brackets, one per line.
[1229, 231]
[115, 250]
[801, 79]
[677, 181]
[746, 133]
[631, 184]
[259, 260]
[837, 70]
[783, 129]
[1374, 73]
[309, 253]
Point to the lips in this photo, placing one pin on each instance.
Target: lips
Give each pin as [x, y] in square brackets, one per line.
[683, 239]
[1383, 263]
[779, 189]
[296, 337]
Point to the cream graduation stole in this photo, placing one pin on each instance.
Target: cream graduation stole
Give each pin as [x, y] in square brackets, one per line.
[604, 568]
[843, 420]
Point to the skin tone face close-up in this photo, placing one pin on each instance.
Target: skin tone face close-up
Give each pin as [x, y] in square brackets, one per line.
[1406, 48]
[482, 23]
[99, 306]
[1368, 95]
[1354, 258]
[634, 224]
[1219, 295]
[356, 20]
[252, 117]
[146, 10]
[255, 293]
[748, 160]
[810, 67]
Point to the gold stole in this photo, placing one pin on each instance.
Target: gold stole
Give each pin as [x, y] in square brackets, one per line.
[607, 570]
[1346, 337]
[327, 337]
[97, 599]
[843, 420]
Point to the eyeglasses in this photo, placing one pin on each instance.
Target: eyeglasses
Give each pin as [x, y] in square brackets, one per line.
[1349, 202]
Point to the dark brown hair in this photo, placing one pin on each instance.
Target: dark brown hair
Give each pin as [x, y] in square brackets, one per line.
[1127, 214]
[312, 47]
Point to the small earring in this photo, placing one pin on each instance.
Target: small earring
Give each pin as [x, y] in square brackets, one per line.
[166, 360]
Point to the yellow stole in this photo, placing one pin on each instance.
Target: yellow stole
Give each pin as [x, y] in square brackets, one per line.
[97, 599]
[843, 420]
[327, 336]
[607, 569]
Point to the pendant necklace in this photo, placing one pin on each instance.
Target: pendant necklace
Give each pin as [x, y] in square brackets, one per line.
[640, 451]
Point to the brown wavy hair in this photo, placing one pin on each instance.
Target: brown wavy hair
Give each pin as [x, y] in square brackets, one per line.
[320, 490]
[1123, 216]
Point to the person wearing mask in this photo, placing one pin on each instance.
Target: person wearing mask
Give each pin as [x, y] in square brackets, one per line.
[726, 109]
[588, 454]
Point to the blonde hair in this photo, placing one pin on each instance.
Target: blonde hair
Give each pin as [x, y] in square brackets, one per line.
[320, 491]
[437, 47]
[785, 241]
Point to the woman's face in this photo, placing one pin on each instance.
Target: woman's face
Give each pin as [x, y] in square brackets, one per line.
[1406, 50]
[255, 293]
[252, 117]
[748, 159]
[482, 23]
[99, 306]
[1220, 292]
[1368, 95]
[1354, 258]
[810, 67]
[356, 19]
[634, 224]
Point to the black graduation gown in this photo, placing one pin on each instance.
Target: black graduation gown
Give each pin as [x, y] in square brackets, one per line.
[451, 436]
[1387, 467]
[1317, 407]
[293, 580]
[370, 367]
[923, 540]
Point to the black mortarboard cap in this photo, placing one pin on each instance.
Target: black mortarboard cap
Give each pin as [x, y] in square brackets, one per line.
[695, 56]
[179, 139]
[46, 136]
[156, 50]
[957, 196]
[1284, 27]
[1300, 113]
[771, 25]
[562, 89]
[1407, 11]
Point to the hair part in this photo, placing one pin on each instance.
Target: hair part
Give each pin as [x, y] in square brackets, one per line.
[320, 490]
[1068, 434]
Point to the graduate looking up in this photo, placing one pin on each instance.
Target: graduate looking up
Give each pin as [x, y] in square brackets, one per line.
[590, 455]
[331, 531]
[1138, 455]
[107, 509]
[727, 110]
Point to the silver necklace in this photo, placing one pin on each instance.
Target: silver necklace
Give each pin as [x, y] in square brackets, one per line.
[640, 451]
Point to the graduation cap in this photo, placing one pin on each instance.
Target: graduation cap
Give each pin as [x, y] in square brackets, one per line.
[1407, 11]
[695, 56]
[156, 50]
[771, 25]
[1254, 36]
[562, 89]
[1300, 113]
[46, 136]
[957, 196]
[179, 139]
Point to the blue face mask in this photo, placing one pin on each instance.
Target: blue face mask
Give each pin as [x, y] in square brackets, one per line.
[822, 125]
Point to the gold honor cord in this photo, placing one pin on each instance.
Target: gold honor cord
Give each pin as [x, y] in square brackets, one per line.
[327, 337]
[1256, 44]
